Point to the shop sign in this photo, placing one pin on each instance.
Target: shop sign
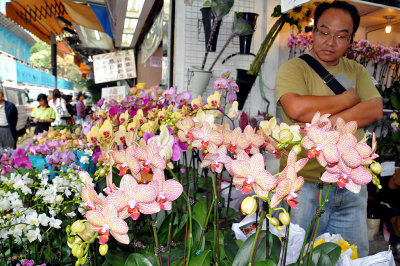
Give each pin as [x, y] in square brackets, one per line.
[113, 93]
[114, 66]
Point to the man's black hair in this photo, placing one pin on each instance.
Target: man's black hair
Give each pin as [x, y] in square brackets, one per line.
[321, 8]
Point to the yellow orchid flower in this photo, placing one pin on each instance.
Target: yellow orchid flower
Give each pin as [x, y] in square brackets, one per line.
[141, 86]
[102, 114]
[233, 112]
[94, 135]
[150, 126]
[120, 135]
[140, 117]
[124, 117]
[151, 114]
[133, 126]
[162, 114]
[197, 103]
[106, 130]
[214, 100]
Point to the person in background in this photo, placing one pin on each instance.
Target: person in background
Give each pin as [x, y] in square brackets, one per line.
[70, 108]
[43, 115]
[301, 92]
[8, 123]
[59, 107]
[80, 109]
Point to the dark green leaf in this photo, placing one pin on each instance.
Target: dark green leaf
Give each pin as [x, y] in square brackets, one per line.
[151, 257]
[136, 259]
[106, 263]
[163, 231]
[175, 256]
[321, 259]
[116, 257]
[203, 259]
[196, 233]
[200, 212]
[243, 254]
[332, 250]
[231, 248]
[226, 263]
[395, 100]
[265, 263]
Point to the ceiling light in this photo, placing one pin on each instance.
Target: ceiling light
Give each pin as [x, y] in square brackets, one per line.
[97, 35]
[388, 27]
[311, 22]
[126, 40]
[134, 7]
[130, 25]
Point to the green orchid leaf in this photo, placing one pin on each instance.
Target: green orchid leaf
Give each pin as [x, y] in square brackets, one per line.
[265, 263]
[203, 259]
[220, 8]
[200, 212]
[321, 259]
[136, 259]
[332, 250]
[116, 257]
[241, 26]
[231, 247]
[243, 254]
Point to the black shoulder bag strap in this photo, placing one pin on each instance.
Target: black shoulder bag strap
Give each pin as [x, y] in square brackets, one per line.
[327, 77]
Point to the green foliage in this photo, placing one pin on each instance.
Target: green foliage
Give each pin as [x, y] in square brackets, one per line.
[243, 255]
[136, 259]
[203, 259]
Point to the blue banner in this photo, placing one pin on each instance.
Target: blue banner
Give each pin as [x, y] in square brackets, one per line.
[14, 45]
[102, 17]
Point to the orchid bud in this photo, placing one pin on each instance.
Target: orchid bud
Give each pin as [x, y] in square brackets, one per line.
[376, 168]
[103, 249]
[78, 227]
[102, 172]
[68, 229]
[274, 221]
[249, 206]
[285, 135]
[284, 217]
[75, 248]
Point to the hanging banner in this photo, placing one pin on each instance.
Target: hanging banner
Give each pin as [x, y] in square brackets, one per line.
[287, 5]
[114, 66]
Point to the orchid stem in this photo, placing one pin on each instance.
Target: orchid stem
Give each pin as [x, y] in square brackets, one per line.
[156, 245]
[215, 215]
[190, 229]
[205, 223]
[213, 29]
[252, 253]
[170, 236]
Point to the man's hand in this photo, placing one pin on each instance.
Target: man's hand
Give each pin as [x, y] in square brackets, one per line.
[352, 96]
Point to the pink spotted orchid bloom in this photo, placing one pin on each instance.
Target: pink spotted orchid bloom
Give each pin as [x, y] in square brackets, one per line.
[350, 178]
[90, 197]
[149, 158]
[321, 145]
[288, 182]
[167, 190]
[107, 221]
[133, 198]
[250, 174]
[216, 160]
[206, 138]
[185, 129]
[126, 160]
[255, 141]
[236, 141]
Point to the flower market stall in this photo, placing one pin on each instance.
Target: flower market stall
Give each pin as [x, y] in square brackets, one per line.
[166, 177]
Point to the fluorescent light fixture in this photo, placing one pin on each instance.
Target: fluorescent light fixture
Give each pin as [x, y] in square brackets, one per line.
[97, 35]
[134, 7]
[126, 40]
[311, 22]
[130, 25]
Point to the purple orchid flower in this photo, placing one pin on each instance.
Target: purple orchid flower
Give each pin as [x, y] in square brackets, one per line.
[20, 159]
[183, 98]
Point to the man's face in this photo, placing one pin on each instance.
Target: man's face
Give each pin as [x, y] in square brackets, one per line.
[332, 36]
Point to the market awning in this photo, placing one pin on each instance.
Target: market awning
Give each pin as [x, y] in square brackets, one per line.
[38, 16]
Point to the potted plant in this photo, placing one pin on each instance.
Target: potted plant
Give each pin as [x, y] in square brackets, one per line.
[298, 17]
[198, 77]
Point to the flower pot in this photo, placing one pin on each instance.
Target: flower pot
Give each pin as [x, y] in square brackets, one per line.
[245, 41]
[245, 83]
[208, 20]
[198, 80]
